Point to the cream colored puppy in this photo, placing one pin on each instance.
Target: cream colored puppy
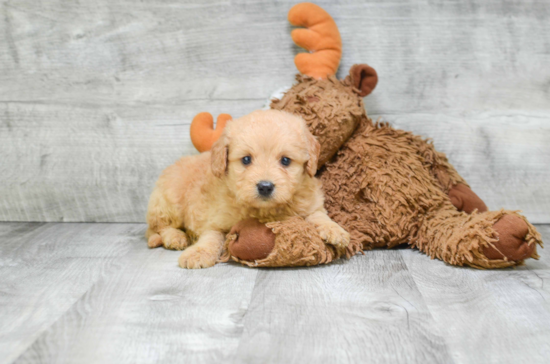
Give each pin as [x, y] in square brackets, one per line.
[262, 166]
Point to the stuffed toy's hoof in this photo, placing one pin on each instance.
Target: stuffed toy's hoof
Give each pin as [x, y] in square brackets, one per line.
[253, 240]
[464, 199]
[511, 245]
[290, 243]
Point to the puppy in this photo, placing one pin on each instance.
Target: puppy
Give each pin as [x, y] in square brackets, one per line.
[262, 166]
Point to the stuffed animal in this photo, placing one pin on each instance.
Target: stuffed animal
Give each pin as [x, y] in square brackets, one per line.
[385, 186]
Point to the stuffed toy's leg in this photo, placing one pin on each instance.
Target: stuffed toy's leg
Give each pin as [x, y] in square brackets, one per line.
[450, 182]
[492, 239]
[484, 240]
[290, 243]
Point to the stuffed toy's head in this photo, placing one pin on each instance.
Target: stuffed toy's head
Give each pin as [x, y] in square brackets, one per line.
[332, 108]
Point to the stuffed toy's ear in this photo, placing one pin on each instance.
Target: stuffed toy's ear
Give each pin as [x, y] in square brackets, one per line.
[313, 149]
[202, 131]
[220, 152]
[363, 78]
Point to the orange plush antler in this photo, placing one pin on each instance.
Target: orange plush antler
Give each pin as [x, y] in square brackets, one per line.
[202, 131]
[321, 38]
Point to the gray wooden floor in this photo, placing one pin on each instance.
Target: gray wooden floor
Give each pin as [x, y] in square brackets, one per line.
[93, 293]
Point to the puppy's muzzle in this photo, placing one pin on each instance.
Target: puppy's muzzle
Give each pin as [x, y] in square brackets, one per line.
[265, 188]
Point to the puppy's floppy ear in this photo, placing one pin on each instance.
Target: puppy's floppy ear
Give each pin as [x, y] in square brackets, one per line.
[313, 149]
[220, 151]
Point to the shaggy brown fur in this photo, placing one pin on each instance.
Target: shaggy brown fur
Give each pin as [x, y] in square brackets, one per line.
[389, 187]
[383, 190]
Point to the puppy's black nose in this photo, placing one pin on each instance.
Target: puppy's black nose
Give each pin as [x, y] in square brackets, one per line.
[265, 188]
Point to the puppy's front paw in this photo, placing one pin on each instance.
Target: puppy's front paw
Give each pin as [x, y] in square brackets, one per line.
[197, 257]
[333, 234]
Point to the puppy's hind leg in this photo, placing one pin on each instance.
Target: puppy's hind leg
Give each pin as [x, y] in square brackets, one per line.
[205, 252]
[169, 237]
[153, 239]
[164, 225]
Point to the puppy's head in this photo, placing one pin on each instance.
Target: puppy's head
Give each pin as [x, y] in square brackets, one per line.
[265, 157]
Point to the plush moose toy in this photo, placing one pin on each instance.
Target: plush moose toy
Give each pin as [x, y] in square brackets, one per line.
[385, 186]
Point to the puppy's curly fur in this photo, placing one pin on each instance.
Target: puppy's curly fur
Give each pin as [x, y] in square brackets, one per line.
[201, 197]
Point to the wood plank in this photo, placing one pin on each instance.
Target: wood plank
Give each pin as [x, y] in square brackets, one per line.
[151, 310]
[497, 316]
[46, 268]
[367, 309]
[96, 97]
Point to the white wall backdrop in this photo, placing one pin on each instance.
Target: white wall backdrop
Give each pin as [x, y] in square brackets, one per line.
[96, 96]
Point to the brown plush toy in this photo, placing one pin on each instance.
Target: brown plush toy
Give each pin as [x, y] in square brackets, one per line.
[385, 186]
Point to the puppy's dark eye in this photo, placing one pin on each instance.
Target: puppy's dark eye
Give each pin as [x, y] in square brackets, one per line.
[285, 161]
[246, 160]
